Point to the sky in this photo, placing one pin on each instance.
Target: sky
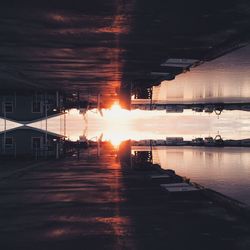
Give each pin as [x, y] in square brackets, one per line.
[118, 124]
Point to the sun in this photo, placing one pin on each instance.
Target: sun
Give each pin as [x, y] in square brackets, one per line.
[117, 124]
[117, 111]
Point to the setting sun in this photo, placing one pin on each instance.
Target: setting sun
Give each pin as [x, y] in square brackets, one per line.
[117, 124]
[116, 112]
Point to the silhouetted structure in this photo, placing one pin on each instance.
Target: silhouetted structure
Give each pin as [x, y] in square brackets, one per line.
[27, 142]
[27, 106]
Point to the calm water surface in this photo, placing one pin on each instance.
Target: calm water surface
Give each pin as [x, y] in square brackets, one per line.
[225, 79]
[226, 170]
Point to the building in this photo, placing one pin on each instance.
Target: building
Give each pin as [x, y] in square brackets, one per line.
[27, 142]
[29, 106]
[174, 140]
[198, 141]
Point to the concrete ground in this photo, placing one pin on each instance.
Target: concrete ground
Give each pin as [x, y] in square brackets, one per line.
[9, 168]
[99, 46]
[98, 203]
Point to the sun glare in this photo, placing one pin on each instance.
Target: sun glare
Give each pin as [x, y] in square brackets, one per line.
[117, 124]
[117, 113]
[121, 124]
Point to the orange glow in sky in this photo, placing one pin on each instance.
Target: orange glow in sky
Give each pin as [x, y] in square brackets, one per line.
[117, 126]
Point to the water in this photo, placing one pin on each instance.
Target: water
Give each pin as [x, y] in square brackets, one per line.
[225, 79]
[226, 170]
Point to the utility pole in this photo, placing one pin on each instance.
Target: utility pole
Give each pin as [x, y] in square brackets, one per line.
[46, 125]
[5, 126]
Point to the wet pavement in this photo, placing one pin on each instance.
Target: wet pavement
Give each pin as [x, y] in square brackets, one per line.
[99, 47]
[98, 203]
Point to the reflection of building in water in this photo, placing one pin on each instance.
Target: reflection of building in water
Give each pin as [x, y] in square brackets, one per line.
[29, 106]
[34, 105]
[27, 142]
[211, 82]
[207, 108]
[153, 106]
[141, 92]
[142, 156]
[137, 157]
[141, 159]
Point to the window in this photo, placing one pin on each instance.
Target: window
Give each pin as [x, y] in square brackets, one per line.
[36, 142]
[36, 107]
[8, 142]
[8, 107]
